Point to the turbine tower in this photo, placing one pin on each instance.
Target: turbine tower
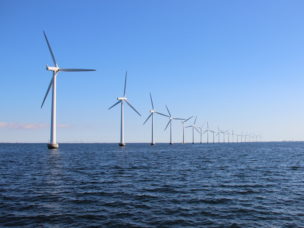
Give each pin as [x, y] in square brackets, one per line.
[152, 112]
[121, 101]
[170, 123]
[55, 71]
[183, 123]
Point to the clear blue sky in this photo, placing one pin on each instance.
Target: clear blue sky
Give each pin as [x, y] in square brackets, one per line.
[237, 64]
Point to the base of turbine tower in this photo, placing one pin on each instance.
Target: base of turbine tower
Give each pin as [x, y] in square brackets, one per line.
[122, 144]
[171, 143]
[152, 144]
[53, 146]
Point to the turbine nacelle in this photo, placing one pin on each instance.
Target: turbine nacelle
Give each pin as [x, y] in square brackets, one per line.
[152, 111]
[121, 98]
[55, 69]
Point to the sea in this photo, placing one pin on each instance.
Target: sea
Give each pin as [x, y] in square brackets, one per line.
[190, 185]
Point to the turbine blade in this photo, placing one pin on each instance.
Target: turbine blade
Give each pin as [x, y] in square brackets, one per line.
[148, 118]
[74, 70]
[162, 114]
[187, 119]
[168, 124]
[50, 49]
[132, 107]
[151, 101]
[197, 130]
[47, 92]
[168, 111]
[195, 120]
[178, 119]
[115, 104]
[125, 86]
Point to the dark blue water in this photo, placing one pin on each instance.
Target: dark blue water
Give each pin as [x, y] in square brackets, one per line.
[221, 185]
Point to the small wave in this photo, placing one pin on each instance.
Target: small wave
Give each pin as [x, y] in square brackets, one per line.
[209, 201]
[163, 190]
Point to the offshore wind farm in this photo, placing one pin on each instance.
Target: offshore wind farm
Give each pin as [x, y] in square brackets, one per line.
[183, 114]
[121, 100]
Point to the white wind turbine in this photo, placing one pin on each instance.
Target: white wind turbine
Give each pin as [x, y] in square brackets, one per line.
[201, 132]
[223, 132]
[232, 136]
[207, 131]
[183, 123]
[246, 136]
[121, 101]
[213, 133]
[55, 70]
[152, 112]
[170, 123]
[193, 128]
[228, 135]
[218, 133]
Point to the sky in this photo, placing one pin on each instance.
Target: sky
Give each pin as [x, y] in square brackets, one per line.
[237, 64]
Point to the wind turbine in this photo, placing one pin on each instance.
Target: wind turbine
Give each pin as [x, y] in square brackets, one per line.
[232, 136]
[223, 132]
[183, 123]
[170, 123]
[201, 132]
[55, 70]
[193, 128]
[121, 101]
[228, 134]
[207, 131]
[152, 112]
[218, 133]
[237, 138]
[213, 133]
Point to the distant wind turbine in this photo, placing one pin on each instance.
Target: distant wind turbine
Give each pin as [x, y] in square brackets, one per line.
[237, 138]
[218, 133]
[213, 133]
[121, 101]
[193, 128]
[170, 123]
[201, 132]
[183, 123]
[232, 136]
[55, 70]
[228, 135]
[207, 132]
[223, 133]
[152, 112]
